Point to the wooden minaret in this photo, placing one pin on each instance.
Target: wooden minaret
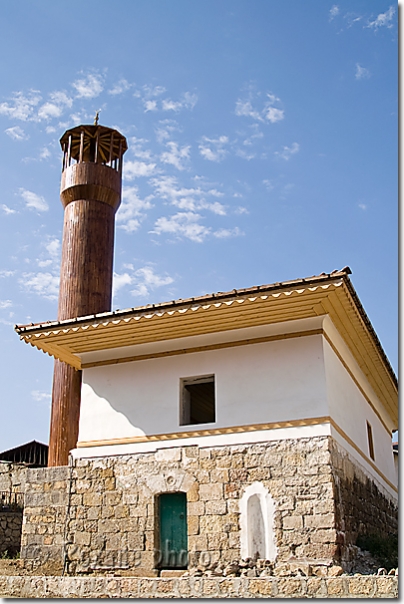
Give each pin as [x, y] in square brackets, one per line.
[90, 193]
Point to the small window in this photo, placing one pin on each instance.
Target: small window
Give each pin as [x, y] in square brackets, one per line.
[197, 400]
[370, 441]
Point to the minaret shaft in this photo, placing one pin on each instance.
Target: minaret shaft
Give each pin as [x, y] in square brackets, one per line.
[91, 194]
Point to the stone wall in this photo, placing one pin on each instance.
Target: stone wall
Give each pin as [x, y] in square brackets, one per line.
[12, 477]
[10, 532]
[101, 514]
[12, 480]
[361, 506]
[130, 587]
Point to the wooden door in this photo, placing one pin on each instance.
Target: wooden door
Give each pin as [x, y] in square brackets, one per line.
[173, 530]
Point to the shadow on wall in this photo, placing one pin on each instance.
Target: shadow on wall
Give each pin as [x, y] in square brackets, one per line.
[257, 514]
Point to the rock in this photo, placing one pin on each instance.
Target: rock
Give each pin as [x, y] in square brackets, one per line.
[335, 571]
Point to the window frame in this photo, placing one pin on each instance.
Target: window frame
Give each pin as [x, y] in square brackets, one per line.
[185, 401]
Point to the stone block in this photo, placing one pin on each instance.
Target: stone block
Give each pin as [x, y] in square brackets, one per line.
[193, 493]
[196, 508]
[292, 522]
[316, 587]
[323, 536]
[193, 525]
[168, 455]
[217, 541]
[129, 587]
[387, 586]
[336, 587]
[219, 475]
[91, 498]
[210, 491]
[81, 538]
[107, 526]
[259, 474]
[323, 521]
[121, 511]
[216, 507]
[262, 587]
[210, 588]
[109, 484]
[197, 543]
[290, 587]
[230, 587]
[361, 585]
[112, 498]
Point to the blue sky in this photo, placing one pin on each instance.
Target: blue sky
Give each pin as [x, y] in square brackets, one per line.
[262, 147]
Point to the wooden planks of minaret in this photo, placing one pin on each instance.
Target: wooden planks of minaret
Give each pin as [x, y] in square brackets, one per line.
[90, 193]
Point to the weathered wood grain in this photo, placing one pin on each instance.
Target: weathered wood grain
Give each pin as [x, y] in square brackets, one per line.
[91, 194]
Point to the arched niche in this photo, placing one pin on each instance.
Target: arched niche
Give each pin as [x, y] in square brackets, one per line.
[257, 512]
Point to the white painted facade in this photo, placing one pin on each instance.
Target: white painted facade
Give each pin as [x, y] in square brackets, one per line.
[259, 383]
[287, 379]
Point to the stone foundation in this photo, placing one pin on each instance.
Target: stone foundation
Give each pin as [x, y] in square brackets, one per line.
[130, 587]
[101, 514]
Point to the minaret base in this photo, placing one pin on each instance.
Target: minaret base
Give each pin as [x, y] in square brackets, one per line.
[65, 413]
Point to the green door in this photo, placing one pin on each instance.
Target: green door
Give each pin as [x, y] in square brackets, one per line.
[173, 530]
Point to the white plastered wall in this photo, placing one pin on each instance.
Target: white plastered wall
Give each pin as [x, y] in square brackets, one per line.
[261, 383]
[350, 410]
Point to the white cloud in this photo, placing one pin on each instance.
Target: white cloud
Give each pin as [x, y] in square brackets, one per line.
[45, 285]
[268, 113]
[144, 280]
[187, 101]
[273, 114]
[165, 129]
[7, 210]
[52, 246]
[136, 147]
[213, 149]
[287, 152]
[5, 273]
[183, 224]
[192, 199]
[383, 19]
[148, 95]
[45, 153]
[5, 304]
[150, 105]
[148, 92]
[241, 210]
[361, 73]
[133, 209]
[41, 397]
[16, 133]
[226, 233]
[334, 11]
[54, 108]
[120, 281]
[89, 87]
[34, 201]
[21, 106]
[362, 206]
[120, 87]
[136, 169]
[175, 155]
[268, 184]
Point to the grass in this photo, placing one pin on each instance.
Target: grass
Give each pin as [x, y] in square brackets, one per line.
[384, 549]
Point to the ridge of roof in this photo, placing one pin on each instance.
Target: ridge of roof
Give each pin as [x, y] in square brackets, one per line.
[336, 274]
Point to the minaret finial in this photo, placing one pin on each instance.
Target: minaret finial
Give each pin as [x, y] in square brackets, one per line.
[97, 115]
